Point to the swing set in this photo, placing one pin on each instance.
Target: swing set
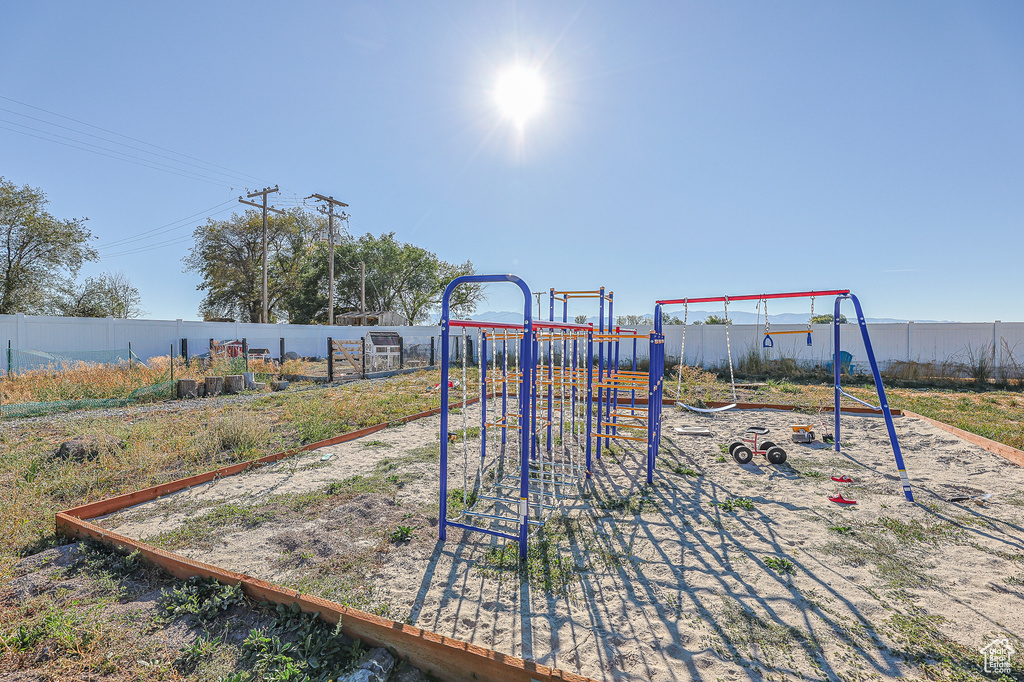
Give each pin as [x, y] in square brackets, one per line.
[840, 296]
[545, 380]
[767, 341]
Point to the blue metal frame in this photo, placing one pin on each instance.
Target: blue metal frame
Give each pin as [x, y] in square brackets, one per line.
[658, 370]
[525, 401]
[883, 402]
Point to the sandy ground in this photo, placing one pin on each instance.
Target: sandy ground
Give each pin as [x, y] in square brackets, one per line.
[674, 587]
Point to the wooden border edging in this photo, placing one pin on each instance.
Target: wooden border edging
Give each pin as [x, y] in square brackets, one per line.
[1010, 453]
[449, 659]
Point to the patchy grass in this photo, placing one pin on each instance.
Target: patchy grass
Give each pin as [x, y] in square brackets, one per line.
[920, 640]
[735, 503]
[681, 470]
[549, 564]
[164, 446]
[751, 636]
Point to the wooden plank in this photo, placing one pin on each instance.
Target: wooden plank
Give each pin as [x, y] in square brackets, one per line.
[449, 659]
[1009, 453]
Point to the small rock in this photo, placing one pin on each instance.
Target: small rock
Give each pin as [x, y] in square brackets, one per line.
[279, 385]
[407, 673]
[291, 355]
[376, 667]
[87, 448]
[259, 386]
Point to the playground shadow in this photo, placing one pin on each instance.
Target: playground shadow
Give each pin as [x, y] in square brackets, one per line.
[678, 581]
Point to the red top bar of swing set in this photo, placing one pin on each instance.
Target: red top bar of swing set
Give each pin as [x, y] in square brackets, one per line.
[754, 297]
[537, 324]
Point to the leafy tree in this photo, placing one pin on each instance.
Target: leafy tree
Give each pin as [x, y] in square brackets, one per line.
[629, 320]
[580, 319]
[400, 277]
[228, 254]
[39, 255]
[715, 319]
[109, 295]
[827, 319]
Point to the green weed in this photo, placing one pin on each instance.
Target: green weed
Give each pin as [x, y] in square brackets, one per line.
[779, 565]
[735, 503]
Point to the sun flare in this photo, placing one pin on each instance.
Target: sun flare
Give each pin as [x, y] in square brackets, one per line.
[519, 94]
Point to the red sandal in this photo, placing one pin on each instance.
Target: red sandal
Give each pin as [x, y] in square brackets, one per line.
[839, 499]
[842, 479]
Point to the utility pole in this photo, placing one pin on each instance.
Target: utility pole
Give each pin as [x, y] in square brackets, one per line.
[362, 293]
[328, 210]
[263, 192]
[536, 314]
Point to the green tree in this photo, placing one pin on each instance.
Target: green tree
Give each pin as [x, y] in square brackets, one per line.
[40, 255]
[715, 319]
[827, 319]
[580, 319]
[109, 295]
[400, 277]
[228, 255]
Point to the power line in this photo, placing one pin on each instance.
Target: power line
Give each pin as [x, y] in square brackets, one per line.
[160, 230]
[152, 247]
[232, 177]
[127, 137]
[184, 174]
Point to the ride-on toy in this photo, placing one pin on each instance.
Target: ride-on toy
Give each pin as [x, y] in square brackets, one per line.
[743, 454]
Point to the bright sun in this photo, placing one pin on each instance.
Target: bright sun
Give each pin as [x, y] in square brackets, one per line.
[519, 94]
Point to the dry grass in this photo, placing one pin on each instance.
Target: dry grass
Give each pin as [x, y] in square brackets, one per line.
[85, 380]
[157, 447]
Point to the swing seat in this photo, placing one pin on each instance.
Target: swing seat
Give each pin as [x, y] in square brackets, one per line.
[708, 410]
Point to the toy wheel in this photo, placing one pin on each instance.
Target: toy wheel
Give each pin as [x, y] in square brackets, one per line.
[766, 446]
[742, 455]
[811, 434]
[776, 455]
[733, 446]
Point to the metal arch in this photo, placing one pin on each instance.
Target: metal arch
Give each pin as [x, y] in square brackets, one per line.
[526, 354]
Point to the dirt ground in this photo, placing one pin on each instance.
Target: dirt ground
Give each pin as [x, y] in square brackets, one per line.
[717, 571]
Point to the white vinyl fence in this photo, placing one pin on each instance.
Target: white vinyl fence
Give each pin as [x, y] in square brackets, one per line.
[705, 344]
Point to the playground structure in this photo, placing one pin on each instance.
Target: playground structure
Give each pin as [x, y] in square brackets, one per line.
[657, 371]
[549, 395]
[539, 416]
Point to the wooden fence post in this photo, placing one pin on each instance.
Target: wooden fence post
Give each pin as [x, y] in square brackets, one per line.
[330, 360]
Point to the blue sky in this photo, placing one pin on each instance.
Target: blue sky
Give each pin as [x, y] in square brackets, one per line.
[684, 149]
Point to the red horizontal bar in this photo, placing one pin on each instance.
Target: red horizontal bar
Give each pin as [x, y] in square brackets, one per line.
[473, 324]
[754, 297]
[541, 324]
